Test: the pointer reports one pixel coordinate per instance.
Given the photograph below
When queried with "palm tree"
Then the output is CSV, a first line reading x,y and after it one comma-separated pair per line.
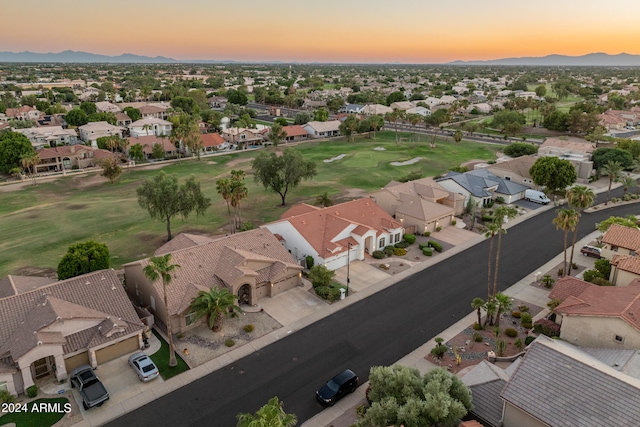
x,y
580,197
238,193
504,304
627,182
324,200
394,117
612,169
223,187
216,304
492,230
490,308
566,221
271,414
477,305
500,214
414,120
160,267
29,161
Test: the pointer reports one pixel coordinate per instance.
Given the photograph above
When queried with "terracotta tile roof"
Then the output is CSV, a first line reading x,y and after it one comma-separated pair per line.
x,y
626,263
220,261
147,142
624,237
150,109
211,139
299,209
414,206
519,165
64,151
568,286
605,301
182,241
13,285
295,130
321,226
96,296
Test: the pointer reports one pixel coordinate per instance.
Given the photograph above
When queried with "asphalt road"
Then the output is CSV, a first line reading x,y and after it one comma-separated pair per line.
x,y
376,331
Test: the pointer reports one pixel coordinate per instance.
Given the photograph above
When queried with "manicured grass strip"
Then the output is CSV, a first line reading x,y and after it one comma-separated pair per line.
x,y
31,418
161,359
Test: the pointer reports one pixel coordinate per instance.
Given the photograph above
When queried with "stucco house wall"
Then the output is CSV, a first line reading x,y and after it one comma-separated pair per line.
x,y
515,417
591,331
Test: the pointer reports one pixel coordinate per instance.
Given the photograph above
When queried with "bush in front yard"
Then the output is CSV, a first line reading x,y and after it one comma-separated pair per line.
x,y
423,245
32,391
248,328
388,250
319,275
528,340
399,252
402,245
229,342
435,245
510,332
328,293
427,251
309,260
410,238
378,254
547,327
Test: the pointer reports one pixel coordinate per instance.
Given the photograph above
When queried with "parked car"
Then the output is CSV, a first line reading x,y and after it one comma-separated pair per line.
x,y
337,387
591,251
89,386
143,366
536,196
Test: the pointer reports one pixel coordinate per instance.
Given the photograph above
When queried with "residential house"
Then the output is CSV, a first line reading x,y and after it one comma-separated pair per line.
x,y
107,107
212,142
447,99
481,107
402,105
217,102
618,119
421,205
242,137
123,119
153,111
295,133
376,109
515,170
94,130
323,129
310,104
52,120
49,136
482,186
338,234
576,150
148,142
601,316
352,109
23,113
624,269
419,110
621,240
252,265
67,157
51,330
150,126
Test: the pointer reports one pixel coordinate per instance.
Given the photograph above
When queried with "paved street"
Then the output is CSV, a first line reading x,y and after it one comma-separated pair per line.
x,y
377,330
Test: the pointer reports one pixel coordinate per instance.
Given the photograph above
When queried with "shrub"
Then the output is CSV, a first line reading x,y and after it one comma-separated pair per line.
x,y
527,325
32,391
435,245
440,349
399,252
388,250
548,281
402,245
574,266
525,317
427,233
477,337
528,340
477,326
309,260
423,245
249,328
500,200
516,314
560,272
523,307
427,251
438,228
600,281
229,342
328,293
510,332
378,254
614,200
6,397
487,218
319,275
453,222
384,266
501,346
547,327
410,238
518,344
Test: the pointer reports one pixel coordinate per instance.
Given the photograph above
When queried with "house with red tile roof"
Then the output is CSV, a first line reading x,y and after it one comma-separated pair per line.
x,y
251,265
66,157
624,269
212,142
338,234
568,286
602,316
295,133
621,240
148,142
50,329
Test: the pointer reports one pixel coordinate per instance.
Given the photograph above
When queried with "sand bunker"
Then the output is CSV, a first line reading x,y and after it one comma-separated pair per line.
x,y
333,159
407,163
380,149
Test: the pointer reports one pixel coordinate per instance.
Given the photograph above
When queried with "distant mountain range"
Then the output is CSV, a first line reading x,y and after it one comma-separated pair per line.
x,y
70,56
589,60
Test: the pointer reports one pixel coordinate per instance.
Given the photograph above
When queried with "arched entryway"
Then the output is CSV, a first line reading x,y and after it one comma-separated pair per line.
x,y
244,295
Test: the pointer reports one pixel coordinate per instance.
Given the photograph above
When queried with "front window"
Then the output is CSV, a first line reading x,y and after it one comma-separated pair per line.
x,y
381,243
397,237
190,318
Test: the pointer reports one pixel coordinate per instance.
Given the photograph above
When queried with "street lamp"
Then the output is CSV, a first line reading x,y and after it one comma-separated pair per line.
x,y
348,279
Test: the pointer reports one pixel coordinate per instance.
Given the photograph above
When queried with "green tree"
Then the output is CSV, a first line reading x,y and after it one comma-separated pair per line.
x,y
133,113
223,187
457,136
103,117
237,97
566,220
29,161
324,200
319,275
82,258
627,182
160,267
492,229
88,107
630,221
270,415
281,121
164,198
110,168
215,305
157,151
580,198
501,214
13,146
282,173
302,118
613,170
185,104
277,134
504,305
238,192
553,173
518,149
400,395
490,307
395,97
349,126
601,156
136,152
508,121
477,304
321,115
76,117
541,91
394,117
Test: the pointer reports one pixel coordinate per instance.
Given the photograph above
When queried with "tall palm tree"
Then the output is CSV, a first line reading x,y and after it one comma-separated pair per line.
x,y
239,192
394,117
612,169
503,303
492,230
477,305
223,187
324,200
216,304
29,162
160,267
272,414
500,214
627,182
490,308
580,197
566,220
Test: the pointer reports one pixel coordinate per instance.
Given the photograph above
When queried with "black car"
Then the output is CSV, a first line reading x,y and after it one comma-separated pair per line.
x,y
343,383
591,251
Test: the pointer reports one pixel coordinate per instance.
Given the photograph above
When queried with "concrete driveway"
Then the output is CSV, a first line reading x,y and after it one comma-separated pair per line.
x,y
362,275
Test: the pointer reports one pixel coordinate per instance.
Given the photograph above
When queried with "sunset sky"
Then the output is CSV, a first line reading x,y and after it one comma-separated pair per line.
x,y
363,31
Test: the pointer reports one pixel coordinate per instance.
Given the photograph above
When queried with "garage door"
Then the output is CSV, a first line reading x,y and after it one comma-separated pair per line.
x,y
116,350
78,360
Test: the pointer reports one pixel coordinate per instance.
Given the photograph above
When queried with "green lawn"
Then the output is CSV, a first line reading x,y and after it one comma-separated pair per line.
x,y
39,223
36,419
161,359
